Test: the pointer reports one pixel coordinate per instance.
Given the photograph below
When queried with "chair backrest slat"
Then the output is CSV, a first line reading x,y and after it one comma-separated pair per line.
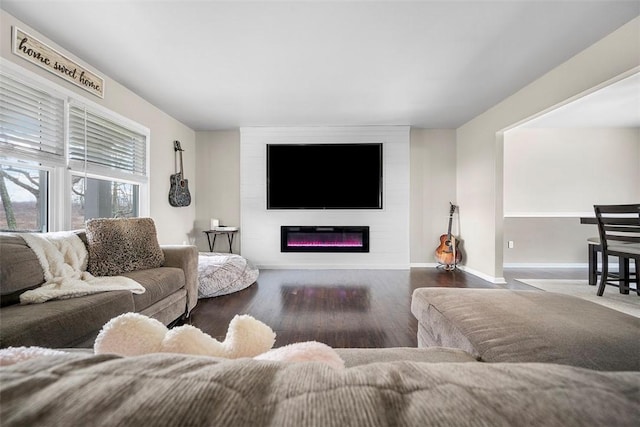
x,y
618,229
630,239
622,221
618,223
623,209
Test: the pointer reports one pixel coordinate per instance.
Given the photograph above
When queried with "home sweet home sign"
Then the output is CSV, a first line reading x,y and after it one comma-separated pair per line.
x,y
37,52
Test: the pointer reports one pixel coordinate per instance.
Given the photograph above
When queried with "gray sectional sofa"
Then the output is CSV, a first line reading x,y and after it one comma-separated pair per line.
x,y
379,387
520,326
170,293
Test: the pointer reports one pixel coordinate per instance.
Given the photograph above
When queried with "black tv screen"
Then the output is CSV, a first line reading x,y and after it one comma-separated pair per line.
x,y
324,176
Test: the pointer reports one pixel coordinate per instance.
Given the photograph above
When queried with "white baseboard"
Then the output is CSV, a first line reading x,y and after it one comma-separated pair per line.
x,y
483,276
491,279
331,267
423,265
496,280
613,266
546,265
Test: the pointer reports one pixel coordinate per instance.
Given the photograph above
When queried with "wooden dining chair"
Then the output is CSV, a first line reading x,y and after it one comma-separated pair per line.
x,y
594,248
619,230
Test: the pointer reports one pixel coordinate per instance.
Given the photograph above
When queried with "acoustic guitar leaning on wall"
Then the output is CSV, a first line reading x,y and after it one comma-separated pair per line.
x,y
448,253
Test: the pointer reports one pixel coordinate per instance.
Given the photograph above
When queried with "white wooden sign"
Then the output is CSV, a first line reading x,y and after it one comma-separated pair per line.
x,y
33,50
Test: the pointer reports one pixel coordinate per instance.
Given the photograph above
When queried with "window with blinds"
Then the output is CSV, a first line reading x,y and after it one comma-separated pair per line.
x,y
101,146
63,159
31,122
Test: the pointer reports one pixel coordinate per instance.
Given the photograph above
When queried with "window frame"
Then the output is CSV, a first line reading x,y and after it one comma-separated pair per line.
x,y
71,173
60,177
50,204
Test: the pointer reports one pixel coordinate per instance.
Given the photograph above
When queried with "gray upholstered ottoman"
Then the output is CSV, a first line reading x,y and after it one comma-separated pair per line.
x,y
500,325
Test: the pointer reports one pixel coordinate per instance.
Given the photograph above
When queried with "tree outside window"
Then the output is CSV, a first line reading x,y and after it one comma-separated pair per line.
x,y
99,198
23,198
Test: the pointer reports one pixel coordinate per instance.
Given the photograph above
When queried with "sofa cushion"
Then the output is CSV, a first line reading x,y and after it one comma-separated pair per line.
x,y
362,356
61,323
119,245
502,325
169,389
158,284
20,269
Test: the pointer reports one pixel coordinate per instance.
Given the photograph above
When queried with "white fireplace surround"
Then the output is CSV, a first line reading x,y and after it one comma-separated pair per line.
x,y
389,226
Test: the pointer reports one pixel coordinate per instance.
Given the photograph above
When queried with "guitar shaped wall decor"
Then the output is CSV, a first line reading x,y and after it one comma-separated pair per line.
x,y
179,195
448,253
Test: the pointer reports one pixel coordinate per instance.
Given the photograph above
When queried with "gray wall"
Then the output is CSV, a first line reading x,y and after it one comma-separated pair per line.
x,y
218,179
432,186
554,176
480,142
546,242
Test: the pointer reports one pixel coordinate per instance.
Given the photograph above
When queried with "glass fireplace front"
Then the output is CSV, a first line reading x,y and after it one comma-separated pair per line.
x,y
324,238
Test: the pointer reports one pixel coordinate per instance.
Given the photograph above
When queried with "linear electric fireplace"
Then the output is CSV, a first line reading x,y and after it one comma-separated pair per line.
x,y
324,239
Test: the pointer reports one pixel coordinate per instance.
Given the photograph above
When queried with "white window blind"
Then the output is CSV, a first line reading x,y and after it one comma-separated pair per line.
x,y
31,122
101,146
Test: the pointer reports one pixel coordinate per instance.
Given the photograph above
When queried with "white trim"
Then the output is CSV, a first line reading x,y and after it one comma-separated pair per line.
x,y
60,207
330,267
490,279
423,265
103,172
546,265
613,266
548,214
569,100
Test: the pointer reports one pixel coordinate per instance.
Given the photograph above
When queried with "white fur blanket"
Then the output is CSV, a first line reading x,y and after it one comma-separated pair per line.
x,y
63,258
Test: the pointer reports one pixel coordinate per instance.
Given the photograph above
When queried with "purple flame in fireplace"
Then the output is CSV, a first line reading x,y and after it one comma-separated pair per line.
x,y
343,240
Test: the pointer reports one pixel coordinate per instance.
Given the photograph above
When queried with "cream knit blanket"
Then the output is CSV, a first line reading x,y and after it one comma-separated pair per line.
x,y
63,257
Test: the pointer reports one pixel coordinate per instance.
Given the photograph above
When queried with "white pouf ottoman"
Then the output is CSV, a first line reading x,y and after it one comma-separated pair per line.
x,y
222,274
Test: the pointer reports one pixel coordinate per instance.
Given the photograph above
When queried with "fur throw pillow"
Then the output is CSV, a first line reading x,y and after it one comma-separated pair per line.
x,y
119,245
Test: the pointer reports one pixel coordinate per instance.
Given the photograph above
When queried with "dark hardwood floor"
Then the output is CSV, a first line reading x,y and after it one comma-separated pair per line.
x,y
344,308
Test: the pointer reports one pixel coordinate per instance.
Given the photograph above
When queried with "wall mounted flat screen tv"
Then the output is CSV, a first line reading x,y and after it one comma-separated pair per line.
x,y
324,176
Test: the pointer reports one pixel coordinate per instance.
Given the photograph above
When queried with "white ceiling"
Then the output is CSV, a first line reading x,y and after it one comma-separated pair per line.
x,y
222,64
